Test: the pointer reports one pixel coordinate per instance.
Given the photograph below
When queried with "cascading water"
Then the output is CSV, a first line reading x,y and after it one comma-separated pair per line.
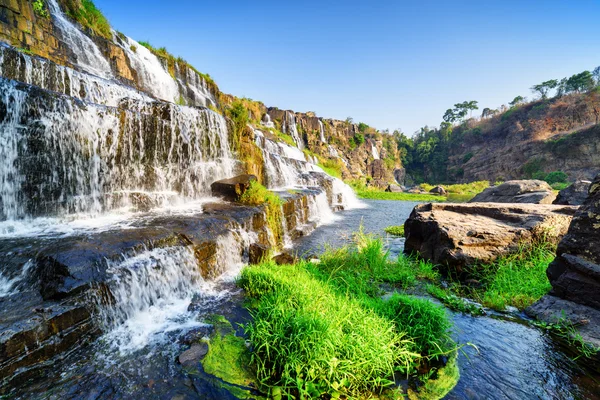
x,y
289,127
322,132
374,151
103,153
267,122
88,55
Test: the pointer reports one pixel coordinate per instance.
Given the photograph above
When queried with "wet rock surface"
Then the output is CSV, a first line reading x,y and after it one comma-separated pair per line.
x,y
524,191
574,195
456,235
233,188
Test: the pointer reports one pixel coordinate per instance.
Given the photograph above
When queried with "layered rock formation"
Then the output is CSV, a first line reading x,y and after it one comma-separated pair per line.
x,y
458,235
524,191
575,273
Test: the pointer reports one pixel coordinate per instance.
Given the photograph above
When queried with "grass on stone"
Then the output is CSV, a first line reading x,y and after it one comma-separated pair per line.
x,y
395,230
89,16
324,329
472,188
516,280
258,195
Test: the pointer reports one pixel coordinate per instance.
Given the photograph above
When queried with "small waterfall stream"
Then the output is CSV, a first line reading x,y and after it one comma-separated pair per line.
x,y
89,57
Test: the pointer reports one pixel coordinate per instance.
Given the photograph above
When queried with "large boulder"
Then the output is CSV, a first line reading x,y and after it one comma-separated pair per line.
x,y
526,191
394,189
438,190
400,176
575,273
457,235
232,188
574,195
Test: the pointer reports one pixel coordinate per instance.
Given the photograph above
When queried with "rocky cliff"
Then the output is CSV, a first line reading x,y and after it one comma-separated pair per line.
x,y
536,138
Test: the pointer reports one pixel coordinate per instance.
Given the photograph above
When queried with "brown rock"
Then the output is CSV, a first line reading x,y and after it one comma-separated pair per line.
x,y
257,253
438,190
233,188
575,273
465,234
394,189
285,259
526,191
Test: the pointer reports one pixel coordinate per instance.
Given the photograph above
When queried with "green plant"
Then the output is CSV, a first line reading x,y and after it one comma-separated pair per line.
x,y
454,302
467,157
257,195
39,7
358,139
89,16
395,230
239,116
556,177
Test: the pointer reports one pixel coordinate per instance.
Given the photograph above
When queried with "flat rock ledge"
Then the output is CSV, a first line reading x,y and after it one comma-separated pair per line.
x,y
459,235
524,191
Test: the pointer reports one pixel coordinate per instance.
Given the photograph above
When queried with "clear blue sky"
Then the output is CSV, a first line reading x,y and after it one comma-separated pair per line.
x,y
391,64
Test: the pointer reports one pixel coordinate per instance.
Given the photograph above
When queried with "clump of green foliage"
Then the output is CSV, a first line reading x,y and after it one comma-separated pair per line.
x,y
567,331
454,302
239,116
323,329
257,195
39,7
395,230
89,16
358,139
460,192
516,280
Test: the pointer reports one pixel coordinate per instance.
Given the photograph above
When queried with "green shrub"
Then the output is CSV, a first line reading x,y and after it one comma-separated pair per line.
x,y
531,167
556,177
467,157
560,186
39,7
358,139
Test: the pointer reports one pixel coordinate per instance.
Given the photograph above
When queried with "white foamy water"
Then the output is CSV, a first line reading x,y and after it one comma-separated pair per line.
x,y
322,132
154,289
89,56
319,210
289,127
8,286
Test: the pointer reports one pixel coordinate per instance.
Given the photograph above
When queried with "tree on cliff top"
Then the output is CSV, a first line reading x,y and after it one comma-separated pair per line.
x,y
543,88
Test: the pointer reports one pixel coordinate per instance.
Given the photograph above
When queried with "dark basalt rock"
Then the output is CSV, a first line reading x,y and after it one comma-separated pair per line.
x,y
575,273
525,191
285,259
257,253
193,355
233,188
574,195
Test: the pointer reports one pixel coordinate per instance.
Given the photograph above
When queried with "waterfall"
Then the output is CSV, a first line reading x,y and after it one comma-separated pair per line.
x,y
320,211
88,55
267,122
322,132
82,158
9,286
289,127
152,290
346,196
152,75
374,151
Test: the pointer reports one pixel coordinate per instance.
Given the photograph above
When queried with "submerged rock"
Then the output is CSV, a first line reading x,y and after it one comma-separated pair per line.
x,y
456,235
574,195
525,191
232,188
575,273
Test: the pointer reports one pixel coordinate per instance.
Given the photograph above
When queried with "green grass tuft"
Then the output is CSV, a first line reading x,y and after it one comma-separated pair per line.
x,y
324,329
89,16
395,230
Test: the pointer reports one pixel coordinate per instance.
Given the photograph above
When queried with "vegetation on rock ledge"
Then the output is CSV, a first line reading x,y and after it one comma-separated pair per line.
x,y
89,16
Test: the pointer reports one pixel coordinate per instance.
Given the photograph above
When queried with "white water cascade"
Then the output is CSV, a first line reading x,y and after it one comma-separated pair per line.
x,y
322,132
374,151
89,57
289,127
85,157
